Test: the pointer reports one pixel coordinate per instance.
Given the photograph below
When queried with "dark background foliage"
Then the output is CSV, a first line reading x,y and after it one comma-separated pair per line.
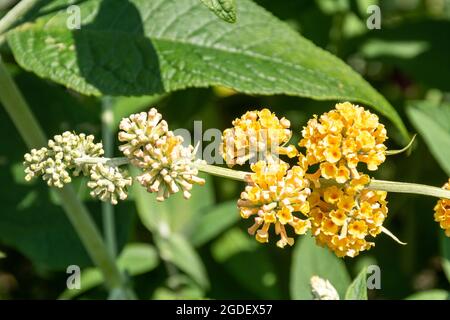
x,y
407,60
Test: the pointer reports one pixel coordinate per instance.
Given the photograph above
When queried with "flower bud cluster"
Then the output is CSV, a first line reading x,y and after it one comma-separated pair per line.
x,y
167,165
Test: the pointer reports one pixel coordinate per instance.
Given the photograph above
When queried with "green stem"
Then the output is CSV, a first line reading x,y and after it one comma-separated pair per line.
x,y
16,106
17,109
120,161
406,187
107,208
382,185
14,15
223,172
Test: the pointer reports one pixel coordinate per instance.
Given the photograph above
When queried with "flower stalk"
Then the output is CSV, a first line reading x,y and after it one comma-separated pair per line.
x,y
30,130
381,185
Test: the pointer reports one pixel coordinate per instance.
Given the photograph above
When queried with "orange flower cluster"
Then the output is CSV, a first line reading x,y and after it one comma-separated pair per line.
x,y
276,195
343,216
342,138
339,210
256,133
442,212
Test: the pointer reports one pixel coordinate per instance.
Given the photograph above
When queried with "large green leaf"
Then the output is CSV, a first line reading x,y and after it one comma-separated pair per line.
x,y
445,249
136,259
175,214
171,221
433,124
2,255
224,9
311,260
145,47
358,288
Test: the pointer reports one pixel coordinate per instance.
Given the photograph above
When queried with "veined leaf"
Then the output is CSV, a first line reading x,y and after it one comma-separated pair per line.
x,y
224,9
144,47
433,124
311,260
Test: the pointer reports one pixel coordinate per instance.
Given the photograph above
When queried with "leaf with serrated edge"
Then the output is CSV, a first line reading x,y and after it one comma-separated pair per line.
x,y
143,47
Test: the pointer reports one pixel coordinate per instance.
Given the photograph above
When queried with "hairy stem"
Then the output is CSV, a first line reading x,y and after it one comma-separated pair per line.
x,y
223,172
107,161
382,185
30,130
406,187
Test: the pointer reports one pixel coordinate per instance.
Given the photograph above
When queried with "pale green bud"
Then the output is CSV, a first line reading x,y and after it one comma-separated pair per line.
x,y
109,183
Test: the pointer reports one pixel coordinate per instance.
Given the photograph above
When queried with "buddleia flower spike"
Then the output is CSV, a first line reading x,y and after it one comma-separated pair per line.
x,y
257,134
56,162
276,195
167,165
109,183
340,139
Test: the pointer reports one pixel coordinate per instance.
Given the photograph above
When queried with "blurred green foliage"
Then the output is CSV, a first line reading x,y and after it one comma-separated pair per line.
x,y
200,248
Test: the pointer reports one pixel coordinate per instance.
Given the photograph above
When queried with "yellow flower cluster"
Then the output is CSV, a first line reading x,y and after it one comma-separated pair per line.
x,y
342,217
442,212
342,138
276,195
256,133
339,210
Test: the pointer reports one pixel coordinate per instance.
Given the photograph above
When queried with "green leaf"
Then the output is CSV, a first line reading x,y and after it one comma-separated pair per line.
x,y
124,106
238,252
415,47
2,255
177,250
49,235
31,221
435,294
143,48
224,9
170,222
136,259
433,124
217,219
311,260
176,214
445,249
185,289
358,288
